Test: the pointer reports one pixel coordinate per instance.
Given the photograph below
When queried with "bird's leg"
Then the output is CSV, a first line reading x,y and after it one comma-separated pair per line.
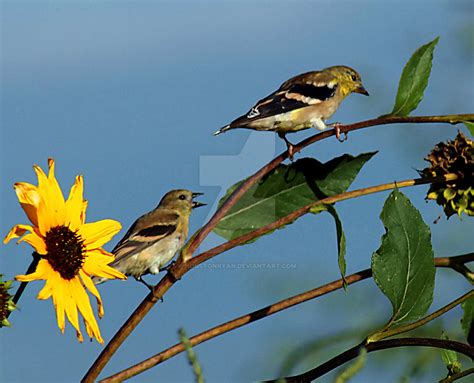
x,y
141,280
289,146
168,266
337,127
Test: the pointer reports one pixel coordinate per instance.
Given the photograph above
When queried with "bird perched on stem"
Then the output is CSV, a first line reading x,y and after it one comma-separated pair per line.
x,y
155,237
302,102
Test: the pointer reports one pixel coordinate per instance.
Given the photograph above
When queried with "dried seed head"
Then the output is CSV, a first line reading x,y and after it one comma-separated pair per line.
x,y
6,302
452,157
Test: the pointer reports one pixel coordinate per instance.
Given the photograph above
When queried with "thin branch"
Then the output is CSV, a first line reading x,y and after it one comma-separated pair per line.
x,y
459,264
457,376
181,267
180,270
236,323
199,237
255,316
353,352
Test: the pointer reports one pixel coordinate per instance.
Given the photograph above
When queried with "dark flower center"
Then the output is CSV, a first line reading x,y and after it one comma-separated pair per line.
x,y
65,251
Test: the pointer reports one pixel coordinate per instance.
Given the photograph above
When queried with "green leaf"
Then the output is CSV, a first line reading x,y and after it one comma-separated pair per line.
x,y
340,172
414,79
450,358
403,266
467,320
287,189
341,244
470,127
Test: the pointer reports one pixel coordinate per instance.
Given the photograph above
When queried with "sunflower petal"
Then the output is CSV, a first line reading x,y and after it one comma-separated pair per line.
x,y
29,199
52,197
43,271
96,234
36,241
83,213
96,262
91,287
90,332
44,221
84,306
59,302
17,231
71,305
74,205
46,291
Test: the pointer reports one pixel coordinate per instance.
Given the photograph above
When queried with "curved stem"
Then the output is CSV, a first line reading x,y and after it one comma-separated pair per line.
x,y
376,346
182,267
253,317
458,264
460,375
411,326
236,323
193,262
202,233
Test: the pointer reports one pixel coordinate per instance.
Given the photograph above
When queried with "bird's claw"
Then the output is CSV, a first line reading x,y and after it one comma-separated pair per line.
x,y
337,127
338,136
291,151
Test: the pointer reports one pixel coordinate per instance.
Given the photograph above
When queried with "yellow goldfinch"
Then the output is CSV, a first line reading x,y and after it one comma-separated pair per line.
x,y
154,238
302,102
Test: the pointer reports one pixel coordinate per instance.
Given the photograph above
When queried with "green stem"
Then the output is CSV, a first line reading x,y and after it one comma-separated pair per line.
x,y
202,233
188,250
181,268
353,352
257,315
460,375
192,357
411,326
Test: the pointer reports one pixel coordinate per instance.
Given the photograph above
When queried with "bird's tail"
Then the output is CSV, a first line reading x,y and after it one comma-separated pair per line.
x,y
222,130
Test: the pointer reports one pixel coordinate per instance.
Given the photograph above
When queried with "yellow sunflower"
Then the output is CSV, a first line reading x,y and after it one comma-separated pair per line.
x,y
70,250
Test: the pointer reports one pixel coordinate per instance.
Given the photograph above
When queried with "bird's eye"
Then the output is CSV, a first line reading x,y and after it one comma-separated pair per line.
x,y
182,197
354,77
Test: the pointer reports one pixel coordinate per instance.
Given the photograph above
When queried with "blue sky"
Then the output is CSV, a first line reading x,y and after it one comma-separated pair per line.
x,y
128,94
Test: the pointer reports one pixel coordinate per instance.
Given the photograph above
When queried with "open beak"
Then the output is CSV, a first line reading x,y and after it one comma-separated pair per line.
x,y
197,204
361,90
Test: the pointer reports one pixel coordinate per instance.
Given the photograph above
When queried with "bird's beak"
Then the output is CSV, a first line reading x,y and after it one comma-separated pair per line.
x,y
361,90
197,204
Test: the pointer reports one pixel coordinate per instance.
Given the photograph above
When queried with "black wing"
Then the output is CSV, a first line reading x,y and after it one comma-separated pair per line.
x,y
156,231
292,97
